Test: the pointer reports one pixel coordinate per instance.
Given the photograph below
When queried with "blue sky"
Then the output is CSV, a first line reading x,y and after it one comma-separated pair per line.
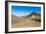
x,y
25,10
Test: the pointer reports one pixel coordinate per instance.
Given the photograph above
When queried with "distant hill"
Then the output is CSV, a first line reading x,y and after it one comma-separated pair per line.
x,y
30,15
33,14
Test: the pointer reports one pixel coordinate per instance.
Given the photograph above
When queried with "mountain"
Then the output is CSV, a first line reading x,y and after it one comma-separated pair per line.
x,y
33,14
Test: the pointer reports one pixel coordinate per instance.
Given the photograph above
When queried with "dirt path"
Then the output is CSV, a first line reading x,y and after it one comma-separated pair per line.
x,y
26,23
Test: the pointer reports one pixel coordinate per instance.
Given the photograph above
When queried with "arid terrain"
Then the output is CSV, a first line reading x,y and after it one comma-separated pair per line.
x,y
20,22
